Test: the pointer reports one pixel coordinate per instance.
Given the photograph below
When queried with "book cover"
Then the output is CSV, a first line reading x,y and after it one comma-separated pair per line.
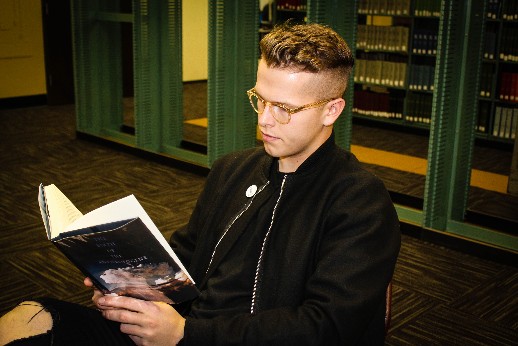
x,y
118,247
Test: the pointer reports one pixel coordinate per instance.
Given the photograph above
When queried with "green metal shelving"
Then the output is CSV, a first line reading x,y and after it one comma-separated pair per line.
x,y
233,56
341,16
157,70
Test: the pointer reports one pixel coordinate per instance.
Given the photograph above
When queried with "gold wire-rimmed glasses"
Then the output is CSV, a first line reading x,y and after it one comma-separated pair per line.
x,y
281,113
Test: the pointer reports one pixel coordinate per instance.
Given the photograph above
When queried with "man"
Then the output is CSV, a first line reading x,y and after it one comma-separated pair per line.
x,y
293,243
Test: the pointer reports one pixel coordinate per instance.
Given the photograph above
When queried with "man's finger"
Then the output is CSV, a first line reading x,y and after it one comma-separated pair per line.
x,y
122,302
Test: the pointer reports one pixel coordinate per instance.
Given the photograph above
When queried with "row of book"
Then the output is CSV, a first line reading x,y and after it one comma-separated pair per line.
x,y
509,44
419,108
484,111
427,8
505,122
424,42
391,106
380,72
384,7
374,104
423,8
292,5
493,9
421,77
508,86
395,39
489,48
486,79
387,38
507,10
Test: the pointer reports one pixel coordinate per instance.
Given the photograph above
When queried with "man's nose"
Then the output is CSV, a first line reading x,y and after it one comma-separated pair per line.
x,y
266,117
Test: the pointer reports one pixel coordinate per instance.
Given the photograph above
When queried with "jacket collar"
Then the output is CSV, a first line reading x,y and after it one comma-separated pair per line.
x,y
269,165
317,159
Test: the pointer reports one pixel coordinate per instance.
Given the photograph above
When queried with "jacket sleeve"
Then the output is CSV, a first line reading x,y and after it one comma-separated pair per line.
x,y
345,292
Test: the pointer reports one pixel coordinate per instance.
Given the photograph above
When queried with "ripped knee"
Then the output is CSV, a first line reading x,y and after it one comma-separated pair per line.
x,y
27,319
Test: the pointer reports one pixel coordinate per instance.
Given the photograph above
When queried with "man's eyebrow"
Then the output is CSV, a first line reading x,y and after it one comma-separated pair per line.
x,y
287,104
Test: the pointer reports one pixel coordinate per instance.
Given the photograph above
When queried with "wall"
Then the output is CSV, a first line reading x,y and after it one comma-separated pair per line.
x,y
22,66
195,48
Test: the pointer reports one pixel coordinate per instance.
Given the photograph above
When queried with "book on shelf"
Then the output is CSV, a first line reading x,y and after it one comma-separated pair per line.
x,y
510,10
493,9
383,38
383,7
506,132
505,122
486,79
419,108
490,42
514,125
424,42
509,86
496,121
427,8
380,72
421,77
381,104
117,246
483,115
292,5
509,44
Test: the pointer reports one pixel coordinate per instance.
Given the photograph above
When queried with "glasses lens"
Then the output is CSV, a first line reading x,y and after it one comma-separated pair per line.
x,y
256,103
280,114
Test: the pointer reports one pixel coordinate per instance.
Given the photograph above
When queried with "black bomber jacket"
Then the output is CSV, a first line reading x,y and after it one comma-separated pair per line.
x,y
327,261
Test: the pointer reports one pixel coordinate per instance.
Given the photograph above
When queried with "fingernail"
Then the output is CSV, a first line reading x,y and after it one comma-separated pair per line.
x,y
101,300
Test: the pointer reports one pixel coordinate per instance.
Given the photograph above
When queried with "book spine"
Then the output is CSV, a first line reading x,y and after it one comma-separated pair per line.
x,y
483,115
508,123
514,125
496,121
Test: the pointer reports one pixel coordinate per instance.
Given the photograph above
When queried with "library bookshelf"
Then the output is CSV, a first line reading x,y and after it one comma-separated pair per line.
x,y
498,99
395,61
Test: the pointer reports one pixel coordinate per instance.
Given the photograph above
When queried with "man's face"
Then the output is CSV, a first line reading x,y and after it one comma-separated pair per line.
x,y
294,142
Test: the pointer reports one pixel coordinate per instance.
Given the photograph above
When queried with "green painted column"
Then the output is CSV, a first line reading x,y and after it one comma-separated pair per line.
x,y
233,57
342,16
453,113
97,66
157,46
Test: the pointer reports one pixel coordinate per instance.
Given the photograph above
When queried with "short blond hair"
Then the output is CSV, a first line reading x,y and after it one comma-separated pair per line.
x,y
313,48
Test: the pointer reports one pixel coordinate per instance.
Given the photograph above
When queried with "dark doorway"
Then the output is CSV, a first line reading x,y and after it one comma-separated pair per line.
x,y
57,40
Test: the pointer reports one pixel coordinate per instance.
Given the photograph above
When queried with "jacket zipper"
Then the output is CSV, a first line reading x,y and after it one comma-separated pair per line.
x,y
245,208
260,260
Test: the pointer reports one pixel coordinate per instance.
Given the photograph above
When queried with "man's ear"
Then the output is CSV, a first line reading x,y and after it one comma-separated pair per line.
x,y
334,109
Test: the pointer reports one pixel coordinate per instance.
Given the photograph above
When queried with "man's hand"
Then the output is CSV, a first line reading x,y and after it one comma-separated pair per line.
x,y
97,294
146,323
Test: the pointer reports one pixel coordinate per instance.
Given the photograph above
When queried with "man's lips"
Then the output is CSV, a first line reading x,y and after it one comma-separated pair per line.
x,y
268,138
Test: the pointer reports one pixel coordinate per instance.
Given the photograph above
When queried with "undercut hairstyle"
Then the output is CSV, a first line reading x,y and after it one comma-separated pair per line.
x,y
313,48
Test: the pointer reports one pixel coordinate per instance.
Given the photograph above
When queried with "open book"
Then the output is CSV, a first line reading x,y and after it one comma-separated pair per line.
x,y
118,247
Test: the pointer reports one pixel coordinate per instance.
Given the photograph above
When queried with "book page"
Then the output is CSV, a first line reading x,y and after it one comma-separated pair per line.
x,y
61,212
124,209
43,210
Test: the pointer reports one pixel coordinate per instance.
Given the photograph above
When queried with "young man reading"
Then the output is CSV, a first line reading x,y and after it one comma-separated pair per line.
x,y
292,243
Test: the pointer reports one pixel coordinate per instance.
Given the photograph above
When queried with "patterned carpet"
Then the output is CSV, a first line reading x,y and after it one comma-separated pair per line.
x,y
440,297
